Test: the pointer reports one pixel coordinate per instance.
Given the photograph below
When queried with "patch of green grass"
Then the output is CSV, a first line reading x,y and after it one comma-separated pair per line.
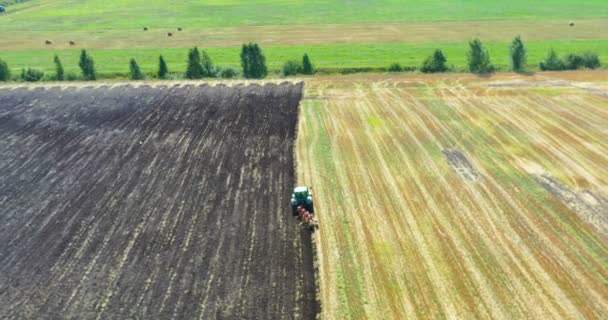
x,y
323,56
120,14
375,122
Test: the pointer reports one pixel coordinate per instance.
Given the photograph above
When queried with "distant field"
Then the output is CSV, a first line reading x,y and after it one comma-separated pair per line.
x,y
323,56
338,34
126,14
458,197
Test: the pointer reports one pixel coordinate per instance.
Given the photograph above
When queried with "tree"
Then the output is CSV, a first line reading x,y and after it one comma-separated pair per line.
x,y
519,55
31,75
291,68
307,67
253,61
435,63
552,62
87,65
195,69
5,72
479,58
135,71
207,65
163,70
59,73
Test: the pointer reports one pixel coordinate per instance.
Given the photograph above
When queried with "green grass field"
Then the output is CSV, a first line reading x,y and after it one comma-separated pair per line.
x,y
221,25
120,14
323,56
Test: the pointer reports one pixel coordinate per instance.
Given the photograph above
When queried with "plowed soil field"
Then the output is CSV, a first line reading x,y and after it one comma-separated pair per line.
x,y
459,197
151,203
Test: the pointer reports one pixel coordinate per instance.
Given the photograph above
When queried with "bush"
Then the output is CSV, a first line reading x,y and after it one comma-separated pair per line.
x,y
587,60
519,55
162,68
59,73
31,75
228,73
552,62
395,67
87,65
291,68
479,58
307,67
573,62
71,77
435,63
5,72
591,60
134,71
253,61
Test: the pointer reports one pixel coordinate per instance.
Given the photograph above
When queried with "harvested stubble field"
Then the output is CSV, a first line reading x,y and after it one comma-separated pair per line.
x,y
151,203
456,196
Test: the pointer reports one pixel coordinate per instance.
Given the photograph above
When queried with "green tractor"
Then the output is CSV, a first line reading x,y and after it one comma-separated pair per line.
x,y
302,197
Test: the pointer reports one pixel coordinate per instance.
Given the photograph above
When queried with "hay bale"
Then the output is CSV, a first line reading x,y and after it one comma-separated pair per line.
x,y
179,29
170,34
571,24
72,43
48,42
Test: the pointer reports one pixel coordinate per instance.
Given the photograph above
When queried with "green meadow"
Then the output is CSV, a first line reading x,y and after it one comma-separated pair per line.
x,y
329,57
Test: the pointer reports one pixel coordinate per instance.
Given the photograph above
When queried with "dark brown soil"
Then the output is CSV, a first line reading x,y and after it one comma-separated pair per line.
x,y
151,203
461,164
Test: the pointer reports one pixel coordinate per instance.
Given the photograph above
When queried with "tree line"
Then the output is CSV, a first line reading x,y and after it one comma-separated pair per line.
x,y
478,60
253,64
199,66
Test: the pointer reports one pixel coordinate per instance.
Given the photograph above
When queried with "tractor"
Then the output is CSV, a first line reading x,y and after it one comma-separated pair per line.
x,y
302,206
302,197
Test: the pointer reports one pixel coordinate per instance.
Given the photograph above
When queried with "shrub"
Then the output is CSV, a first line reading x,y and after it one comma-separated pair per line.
x,y
307,67
253,61
162,68
31,75
573,62
591,60
5,72
519,55
195,69
71,76
479,58
395,67
134,71
435,63
87,65
228,73
291,68
552,62
59,73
